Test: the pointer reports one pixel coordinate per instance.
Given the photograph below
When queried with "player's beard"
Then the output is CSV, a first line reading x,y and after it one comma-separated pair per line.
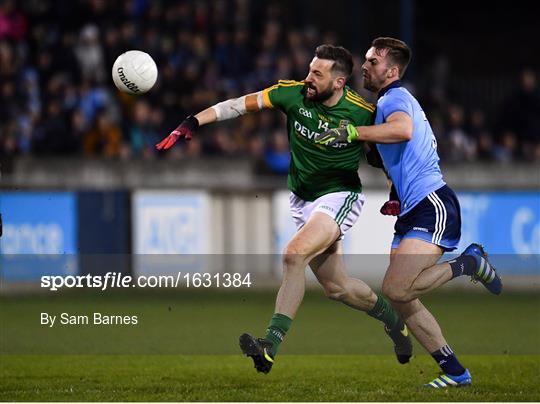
x,y
320,96
371,84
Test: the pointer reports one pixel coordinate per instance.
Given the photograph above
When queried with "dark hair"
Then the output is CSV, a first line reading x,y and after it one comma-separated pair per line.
x,y
399,52
343,61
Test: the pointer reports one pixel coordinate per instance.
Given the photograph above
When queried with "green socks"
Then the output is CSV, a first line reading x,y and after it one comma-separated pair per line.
x,y
280,323
278,327
383,311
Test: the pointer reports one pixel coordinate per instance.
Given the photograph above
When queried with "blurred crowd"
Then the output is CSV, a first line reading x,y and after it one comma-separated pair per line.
x,y
58,97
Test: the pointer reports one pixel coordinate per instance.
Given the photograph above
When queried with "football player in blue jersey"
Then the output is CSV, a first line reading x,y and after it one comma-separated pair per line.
x,y
429,221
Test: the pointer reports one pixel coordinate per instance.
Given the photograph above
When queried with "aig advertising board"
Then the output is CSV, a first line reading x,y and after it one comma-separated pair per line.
x,y
39,235
171,231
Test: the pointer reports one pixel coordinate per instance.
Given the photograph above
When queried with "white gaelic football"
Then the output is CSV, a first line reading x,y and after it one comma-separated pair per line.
x,y
134,72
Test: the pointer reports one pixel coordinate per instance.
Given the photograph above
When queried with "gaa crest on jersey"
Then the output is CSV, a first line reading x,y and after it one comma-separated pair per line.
x,y
305,113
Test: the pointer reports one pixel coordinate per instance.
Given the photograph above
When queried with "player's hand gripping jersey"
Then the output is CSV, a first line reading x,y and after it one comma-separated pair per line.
x,y
316,170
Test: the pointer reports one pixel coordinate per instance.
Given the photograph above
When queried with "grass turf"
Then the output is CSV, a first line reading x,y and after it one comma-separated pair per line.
x,y
185,349
231,378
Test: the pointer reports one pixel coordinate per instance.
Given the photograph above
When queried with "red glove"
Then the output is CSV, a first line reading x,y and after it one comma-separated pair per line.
x,y
185,129
391,208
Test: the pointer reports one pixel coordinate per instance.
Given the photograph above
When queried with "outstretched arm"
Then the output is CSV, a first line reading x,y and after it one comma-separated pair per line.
x,y
397,128
232,108
228,109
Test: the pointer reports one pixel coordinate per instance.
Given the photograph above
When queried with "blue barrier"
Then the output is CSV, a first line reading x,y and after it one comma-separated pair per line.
x,y
40,235
507,224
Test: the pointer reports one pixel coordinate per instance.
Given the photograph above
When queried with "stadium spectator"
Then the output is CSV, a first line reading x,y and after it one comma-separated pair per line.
x,y
51,134
104,138
520,118
506,151
277,155
460,145
13,24
90,55
221,143
142,133
9,62
61,54
481,135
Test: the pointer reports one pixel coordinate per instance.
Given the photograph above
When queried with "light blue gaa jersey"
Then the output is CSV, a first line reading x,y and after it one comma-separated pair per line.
x,y
413,165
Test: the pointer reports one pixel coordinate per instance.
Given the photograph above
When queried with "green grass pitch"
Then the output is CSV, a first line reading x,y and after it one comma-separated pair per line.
x,y
185,349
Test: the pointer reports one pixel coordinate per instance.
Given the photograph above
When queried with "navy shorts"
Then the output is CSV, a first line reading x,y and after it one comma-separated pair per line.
x,y
435,219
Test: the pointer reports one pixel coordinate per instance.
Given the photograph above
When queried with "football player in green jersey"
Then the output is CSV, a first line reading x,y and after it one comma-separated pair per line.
x,y
326,194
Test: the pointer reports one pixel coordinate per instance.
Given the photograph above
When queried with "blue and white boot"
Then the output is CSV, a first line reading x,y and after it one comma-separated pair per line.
x,y
446,380
485,272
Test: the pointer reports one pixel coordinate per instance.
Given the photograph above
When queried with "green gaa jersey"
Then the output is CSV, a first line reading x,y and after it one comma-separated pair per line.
x,y
316,170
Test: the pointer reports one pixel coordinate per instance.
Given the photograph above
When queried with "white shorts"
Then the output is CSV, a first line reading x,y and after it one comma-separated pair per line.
x,y
344,207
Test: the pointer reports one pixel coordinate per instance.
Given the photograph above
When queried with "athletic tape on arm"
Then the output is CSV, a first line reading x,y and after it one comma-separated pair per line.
x,y
235,107
229,109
